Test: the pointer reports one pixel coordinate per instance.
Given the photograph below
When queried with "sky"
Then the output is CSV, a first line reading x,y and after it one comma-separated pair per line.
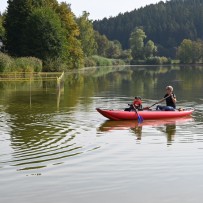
x,y
99,9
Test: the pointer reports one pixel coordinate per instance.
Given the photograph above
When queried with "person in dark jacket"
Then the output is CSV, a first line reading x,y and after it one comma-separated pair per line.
x,y
170,98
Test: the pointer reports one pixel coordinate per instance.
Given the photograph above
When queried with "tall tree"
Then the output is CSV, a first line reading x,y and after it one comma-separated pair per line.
x,y
45,37
20,10
102,44
74,58
2,32
44,29
53,4
137,43
87,35
190,51
17,15
197,51
185,51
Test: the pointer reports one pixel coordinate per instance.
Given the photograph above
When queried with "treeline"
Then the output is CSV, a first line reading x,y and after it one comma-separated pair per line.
x,y
166,24
49,31
145,52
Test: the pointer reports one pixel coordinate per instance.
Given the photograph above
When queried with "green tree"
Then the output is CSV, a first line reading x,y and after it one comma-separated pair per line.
x,y
44,29
46,38
75,56
53,4
126,55
190,51
89,45
185,51
137,43
2,29
2,32
102,44
15,26
197,51
201,51
16,36
150,49
114,49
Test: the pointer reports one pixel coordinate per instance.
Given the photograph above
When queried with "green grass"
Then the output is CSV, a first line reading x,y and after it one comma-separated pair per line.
x,y
22,64
155,60
102,61
175,61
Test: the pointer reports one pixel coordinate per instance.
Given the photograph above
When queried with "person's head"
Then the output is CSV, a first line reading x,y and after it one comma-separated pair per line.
x,y
169,89
138,99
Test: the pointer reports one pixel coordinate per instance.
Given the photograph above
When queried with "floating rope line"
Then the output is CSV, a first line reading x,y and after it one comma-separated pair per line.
x,y
27,76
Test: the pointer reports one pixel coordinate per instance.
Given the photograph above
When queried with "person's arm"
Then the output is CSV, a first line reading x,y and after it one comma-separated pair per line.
x,y
160,101
165,97
173,97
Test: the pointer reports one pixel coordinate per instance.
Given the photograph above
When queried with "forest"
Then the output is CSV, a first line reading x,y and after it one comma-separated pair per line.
x,y
47,36
166,24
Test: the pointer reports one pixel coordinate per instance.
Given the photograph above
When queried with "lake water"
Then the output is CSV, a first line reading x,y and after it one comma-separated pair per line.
x,y
55,147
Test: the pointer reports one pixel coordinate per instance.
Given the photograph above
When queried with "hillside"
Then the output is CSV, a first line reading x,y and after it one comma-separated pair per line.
x,y
167,24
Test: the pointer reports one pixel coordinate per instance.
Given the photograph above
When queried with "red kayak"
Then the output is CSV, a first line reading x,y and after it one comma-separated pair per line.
x,y
117,115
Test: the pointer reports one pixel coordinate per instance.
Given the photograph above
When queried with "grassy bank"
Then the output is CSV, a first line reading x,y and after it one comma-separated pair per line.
x,y
101,61
156,60
32,64
22,64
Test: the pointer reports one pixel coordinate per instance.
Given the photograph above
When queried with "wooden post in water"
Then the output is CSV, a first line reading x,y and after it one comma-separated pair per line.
x,y
58,80
59,89
30,93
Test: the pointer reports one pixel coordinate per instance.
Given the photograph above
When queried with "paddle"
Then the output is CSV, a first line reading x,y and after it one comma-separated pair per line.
x,y
139,118
157,102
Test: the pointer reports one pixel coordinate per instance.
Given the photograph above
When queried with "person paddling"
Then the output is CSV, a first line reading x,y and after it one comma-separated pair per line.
x,y
170,98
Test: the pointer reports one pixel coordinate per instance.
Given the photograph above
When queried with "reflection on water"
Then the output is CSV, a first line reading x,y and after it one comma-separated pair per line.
x,y
57,134
171,131
167,126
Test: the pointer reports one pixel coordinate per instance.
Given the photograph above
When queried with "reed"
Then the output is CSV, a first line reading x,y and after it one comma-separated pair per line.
x,y
102,61
6,63
27,64
22,64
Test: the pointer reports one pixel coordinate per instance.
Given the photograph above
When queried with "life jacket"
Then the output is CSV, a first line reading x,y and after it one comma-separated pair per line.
x,y
138,104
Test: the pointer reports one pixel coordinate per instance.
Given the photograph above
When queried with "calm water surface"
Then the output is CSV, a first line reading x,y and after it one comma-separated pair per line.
x,y
54,146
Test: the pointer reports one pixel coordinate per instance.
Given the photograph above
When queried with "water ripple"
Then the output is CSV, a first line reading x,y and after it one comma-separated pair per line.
x,y
35,145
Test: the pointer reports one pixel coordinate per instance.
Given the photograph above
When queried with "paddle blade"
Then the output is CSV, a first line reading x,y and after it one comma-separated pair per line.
x,y
140,119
